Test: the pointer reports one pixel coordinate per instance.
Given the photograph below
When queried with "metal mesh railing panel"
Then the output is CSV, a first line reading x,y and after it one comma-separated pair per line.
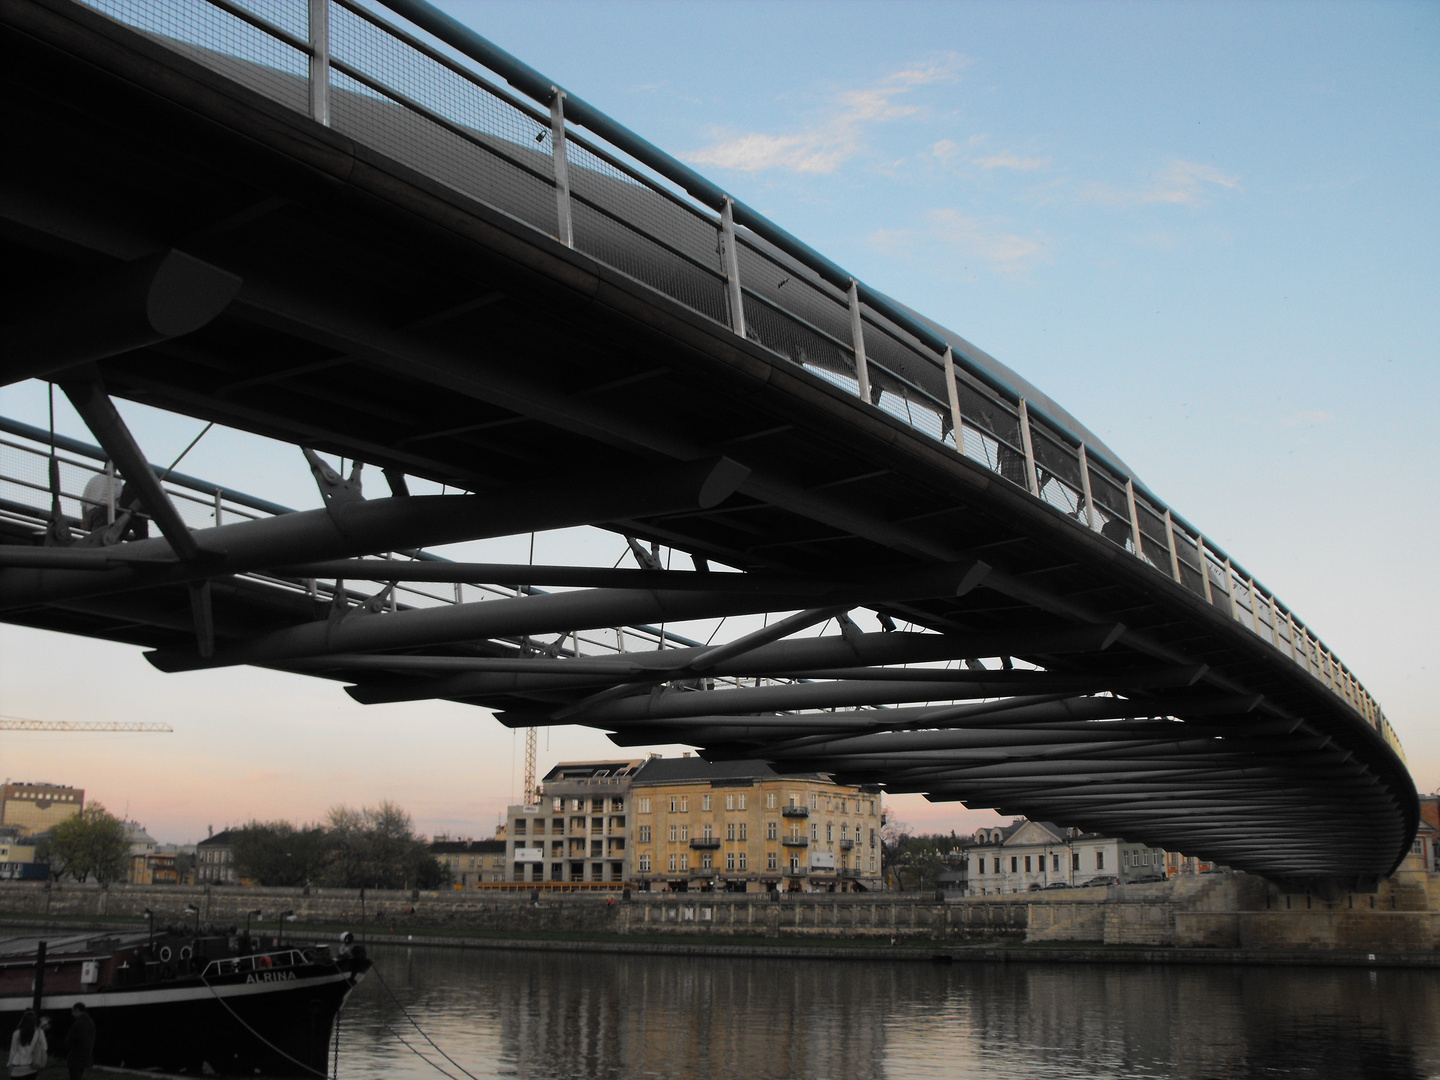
x,y
453,131
1152,533
222,42
1189,557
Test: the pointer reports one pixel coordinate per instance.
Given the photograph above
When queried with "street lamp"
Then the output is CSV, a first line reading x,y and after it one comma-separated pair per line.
x,y
191,909
150,916
248,914
280,926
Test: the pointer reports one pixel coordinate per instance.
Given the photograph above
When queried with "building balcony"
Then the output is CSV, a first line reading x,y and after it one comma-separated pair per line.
x,y
795,811
850,872
704,871
847,845
796,871
706,843
795,841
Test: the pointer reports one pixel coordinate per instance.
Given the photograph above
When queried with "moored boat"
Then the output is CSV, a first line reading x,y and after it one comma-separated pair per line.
x,y
182,1001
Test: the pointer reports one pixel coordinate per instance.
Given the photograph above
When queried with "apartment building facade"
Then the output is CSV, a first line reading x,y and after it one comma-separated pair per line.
x,y
739,826
579,831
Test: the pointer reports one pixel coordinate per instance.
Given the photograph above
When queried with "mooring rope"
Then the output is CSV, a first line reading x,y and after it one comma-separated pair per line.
x,y
257,1034
421,1030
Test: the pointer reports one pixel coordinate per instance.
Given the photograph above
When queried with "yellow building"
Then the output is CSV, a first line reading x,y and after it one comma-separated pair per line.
x,y
739,826
37,808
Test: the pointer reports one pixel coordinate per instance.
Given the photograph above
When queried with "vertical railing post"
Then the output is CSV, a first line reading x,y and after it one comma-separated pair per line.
x,y
320,61
1230,582
1170,539
565,232
1085,489
1032,481
857,336
953,387
110,494
219,508
732,266
1274,621
1204,568
1134,518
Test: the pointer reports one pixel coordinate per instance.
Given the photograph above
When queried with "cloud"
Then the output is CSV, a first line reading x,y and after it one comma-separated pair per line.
x,y
1183,183
1008,160
1006,253
824,147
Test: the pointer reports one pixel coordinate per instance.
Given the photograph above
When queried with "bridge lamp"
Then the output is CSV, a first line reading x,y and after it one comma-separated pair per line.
x,y
280,925
150,917
248,914
191,910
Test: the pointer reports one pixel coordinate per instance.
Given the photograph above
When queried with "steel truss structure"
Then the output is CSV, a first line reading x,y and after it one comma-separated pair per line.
x,y
326,225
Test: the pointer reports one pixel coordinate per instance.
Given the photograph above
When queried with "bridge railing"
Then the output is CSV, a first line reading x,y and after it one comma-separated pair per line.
x,y
427,98
30,485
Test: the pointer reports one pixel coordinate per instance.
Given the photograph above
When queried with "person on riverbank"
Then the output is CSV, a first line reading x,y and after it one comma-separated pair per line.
x,y
79,1041
29,1051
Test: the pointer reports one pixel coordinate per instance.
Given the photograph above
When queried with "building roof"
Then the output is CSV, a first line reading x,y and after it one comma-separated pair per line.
x,y
662,770
585,770
223,838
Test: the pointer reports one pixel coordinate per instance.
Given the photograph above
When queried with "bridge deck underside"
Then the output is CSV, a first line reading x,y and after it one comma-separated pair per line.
x,y
386,318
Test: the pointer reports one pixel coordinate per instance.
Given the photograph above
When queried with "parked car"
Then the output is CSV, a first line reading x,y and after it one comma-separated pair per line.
x,y
1104,879
1058,885
1146,878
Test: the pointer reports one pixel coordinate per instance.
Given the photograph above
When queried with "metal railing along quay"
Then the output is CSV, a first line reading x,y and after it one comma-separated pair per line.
x,y
411,82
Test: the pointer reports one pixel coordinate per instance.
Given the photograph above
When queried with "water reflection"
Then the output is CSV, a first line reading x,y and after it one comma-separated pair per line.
x,y
563,1015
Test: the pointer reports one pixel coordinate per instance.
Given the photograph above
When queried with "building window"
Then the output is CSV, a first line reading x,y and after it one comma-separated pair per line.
x,y
617,805
730,831
997,864
684,833
708,831
742,830
1027,864
814,801
644,807
705,802
742,802
684,861
729,860
845,831
684,804
729,802
672,864
1055,862
829,832
772,830
1014,864
644,864
1099,860
644,834
770,800
674,833
1075,861
770,861
815,831
707,861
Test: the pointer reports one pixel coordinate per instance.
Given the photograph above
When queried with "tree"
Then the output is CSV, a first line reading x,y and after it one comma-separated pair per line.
x,y
375,847
91,844
277,853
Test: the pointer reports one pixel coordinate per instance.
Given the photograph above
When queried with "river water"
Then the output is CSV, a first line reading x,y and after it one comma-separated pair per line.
x,y
581,1015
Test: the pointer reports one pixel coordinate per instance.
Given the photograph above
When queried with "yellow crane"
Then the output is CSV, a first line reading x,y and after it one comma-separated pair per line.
x,y
16,723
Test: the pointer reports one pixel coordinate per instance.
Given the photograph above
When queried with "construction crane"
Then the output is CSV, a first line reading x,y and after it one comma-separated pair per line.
x,y
15,723
532,794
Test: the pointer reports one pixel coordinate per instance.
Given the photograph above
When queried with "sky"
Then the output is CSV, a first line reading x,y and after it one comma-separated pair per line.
x,y
1208,230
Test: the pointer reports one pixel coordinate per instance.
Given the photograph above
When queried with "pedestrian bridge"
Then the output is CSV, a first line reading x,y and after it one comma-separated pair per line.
x,y
364,230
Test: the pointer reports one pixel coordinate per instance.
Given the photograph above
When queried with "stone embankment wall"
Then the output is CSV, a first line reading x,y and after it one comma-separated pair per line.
x,y
1216,911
